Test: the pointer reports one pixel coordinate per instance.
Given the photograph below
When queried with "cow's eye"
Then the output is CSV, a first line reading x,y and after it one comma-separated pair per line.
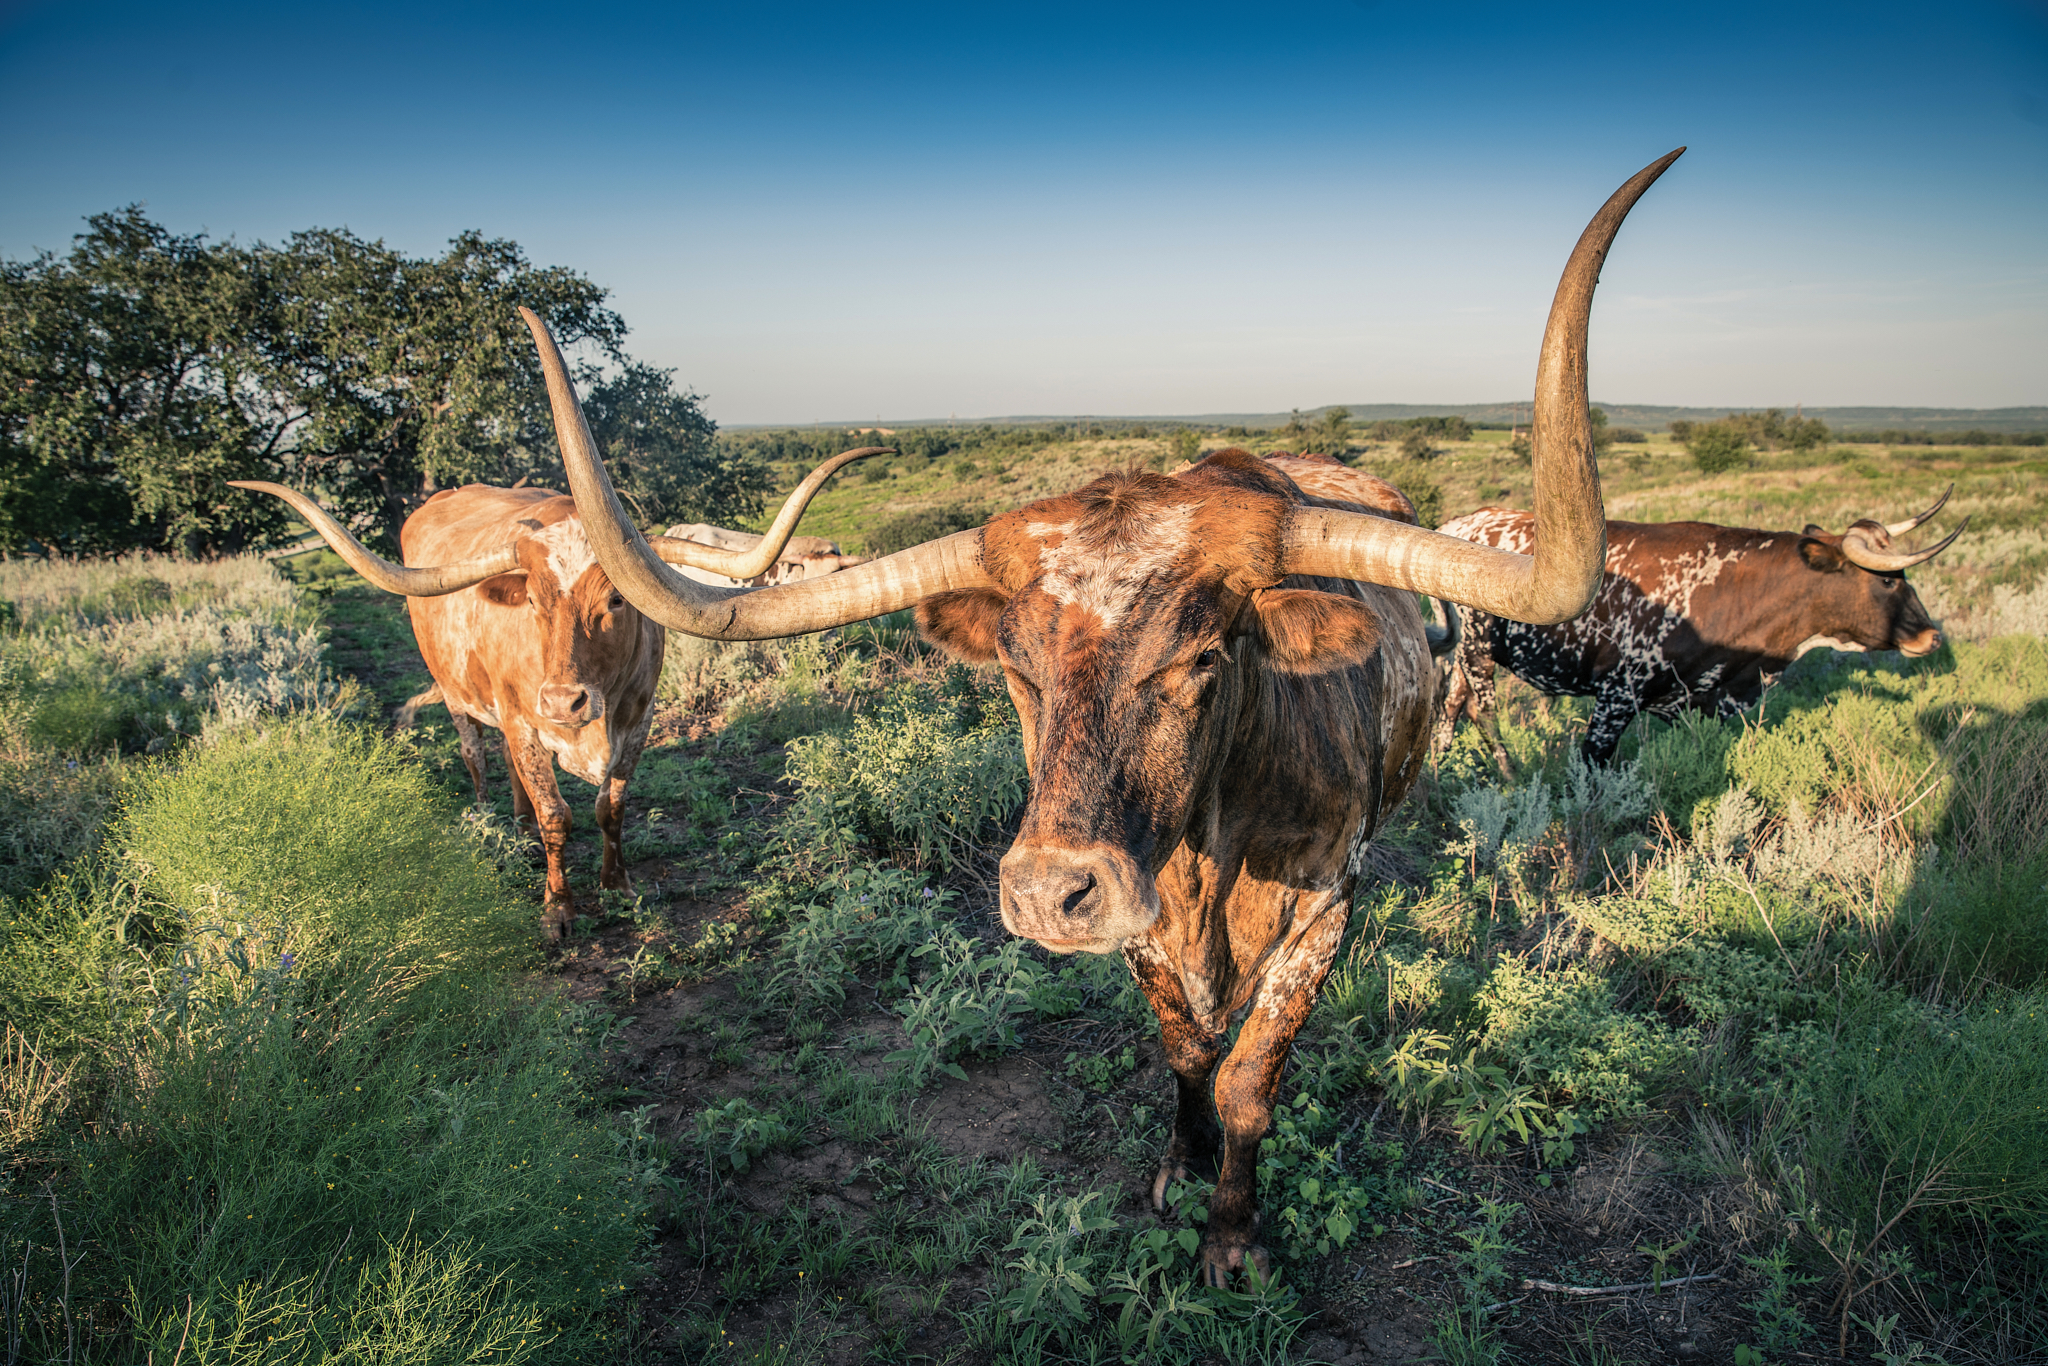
x,y
616,603
1207,659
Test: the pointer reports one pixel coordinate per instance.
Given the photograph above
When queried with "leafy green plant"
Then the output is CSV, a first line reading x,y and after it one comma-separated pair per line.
x,y
927,768
1314,1193
1102,1071
735,1134
1779,1324
1486,1105
969,1003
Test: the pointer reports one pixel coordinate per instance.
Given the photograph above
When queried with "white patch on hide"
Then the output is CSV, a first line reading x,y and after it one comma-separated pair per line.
x,y
1297,965
569,552
1105,574
1826,643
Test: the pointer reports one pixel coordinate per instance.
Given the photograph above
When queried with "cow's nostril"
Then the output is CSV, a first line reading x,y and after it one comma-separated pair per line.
x,y
1071,904
578,702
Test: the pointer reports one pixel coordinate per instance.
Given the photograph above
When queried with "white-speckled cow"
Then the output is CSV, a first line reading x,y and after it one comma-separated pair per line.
x,y
1692,616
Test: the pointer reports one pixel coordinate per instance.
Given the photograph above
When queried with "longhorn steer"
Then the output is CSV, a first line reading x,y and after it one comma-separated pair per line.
x,y
1692,616
523,631
1224,686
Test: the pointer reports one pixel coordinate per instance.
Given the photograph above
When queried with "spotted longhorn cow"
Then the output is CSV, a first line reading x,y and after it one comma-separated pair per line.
x,y
1224,686
523,632
804,557
1691,616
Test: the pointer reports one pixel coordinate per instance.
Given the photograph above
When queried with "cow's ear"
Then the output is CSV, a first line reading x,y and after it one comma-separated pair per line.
x,y
963,622
1309,632
507,590
1820,555
1811,530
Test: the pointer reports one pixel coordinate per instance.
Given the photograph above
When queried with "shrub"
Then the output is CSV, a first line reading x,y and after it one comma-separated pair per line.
x,y
1717,447
1923,1121
929,767
926,524
1687,761
1965,924
51,810
1565,1027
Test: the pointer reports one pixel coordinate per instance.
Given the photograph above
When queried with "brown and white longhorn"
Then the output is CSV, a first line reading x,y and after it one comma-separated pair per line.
x,y
1225,686
523,631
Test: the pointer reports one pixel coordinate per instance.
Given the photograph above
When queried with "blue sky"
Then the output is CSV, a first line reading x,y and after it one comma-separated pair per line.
x,y
900,211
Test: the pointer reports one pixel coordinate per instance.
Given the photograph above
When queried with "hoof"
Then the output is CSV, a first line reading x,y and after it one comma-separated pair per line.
x,y
1169,1172
1221,1261
555,919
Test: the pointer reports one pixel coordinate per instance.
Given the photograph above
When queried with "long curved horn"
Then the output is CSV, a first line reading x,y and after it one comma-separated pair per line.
x,y
869,590
1561,578
745,564
1858,549
1901,528
392,578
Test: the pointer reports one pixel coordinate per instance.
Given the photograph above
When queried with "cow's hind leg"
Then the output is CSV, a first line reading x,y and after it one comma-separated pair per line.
x,y
1246,1084
1192,1053
474,757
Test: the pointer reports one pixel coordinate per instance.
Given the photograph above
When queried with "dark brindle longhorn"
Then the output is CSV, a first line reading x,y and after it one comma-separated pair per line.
x,y
1224,686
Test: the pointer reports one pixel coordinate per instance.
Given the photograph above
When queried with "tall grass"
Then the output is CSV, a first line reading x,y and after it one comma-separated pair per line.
x,y
1841,917
310,1109
108,658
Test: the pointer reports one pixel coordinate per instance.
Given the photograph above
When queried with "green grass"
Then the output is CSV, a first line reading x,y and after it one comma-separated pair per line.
x,y
311,1102
1797,956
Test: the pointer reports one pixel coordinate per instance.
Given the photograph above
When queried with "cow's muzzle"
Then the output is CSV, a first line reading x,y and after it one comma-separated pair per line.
x,y
1087,900
1920,643
569,704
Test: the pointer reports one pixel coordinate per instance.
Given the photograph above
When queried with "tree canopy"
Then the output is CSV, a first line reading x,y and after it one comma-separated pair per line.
x,y
143,370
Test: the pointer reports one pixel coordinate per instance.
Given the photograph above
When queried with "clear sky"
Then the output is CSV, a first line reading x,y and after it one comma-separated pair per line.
x,y
850,211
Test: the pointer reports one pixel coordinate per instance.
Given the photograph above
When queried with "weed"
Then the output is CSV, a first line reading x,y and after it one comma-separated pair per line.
x,y
735,1134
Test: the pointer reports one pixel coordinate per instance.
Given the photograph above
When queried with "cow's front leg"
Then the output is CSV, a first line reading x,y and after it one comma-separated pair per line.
x,y
1246,1084
611,819
1615,704
1191,1051
533,779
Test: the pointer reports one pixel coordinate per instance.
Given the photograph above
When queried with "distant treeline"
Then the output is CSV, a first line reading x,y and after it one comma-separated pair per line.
x,y
142,371
1892,437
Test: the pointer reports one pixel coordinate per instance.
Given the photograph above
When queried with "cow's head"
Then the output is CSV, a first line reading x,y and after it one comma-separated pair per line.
x,y
1131,616
1131,620
589,634
1863,598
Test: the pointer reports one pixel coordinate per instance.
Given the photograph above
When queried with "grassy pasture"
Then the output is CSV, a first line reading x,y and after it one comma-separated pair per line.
x,y
1763,1005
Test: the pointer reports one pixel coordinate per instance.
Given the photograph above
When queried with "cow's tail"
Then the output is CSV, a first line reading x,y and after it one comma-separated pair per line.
x,y
1443,639
412,706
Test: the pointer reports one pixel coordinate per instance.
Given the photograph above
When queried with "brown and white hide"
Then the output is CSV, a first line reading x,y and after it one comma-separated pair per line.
x,y
550,655
1212,744
1689,616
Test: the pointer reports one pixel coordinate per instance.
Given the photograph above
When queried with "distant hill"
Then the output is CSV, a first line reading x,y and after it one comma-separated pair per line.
x,y
1935,420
